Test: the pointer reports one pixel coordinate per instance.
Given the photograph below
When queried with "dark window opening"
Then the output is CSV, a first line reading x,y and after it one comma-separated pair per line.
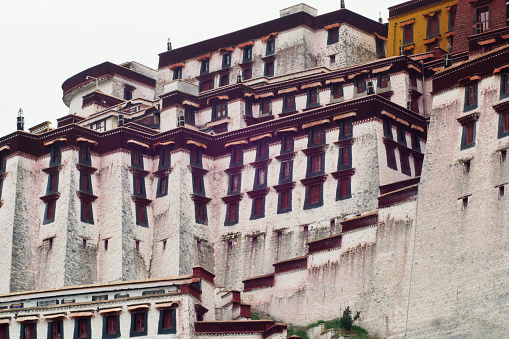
x,y
234,183
84,154
137,157
52,183
405,163
258,207
360,85
204,68
28,331
177,73
271,47
337,91
56,155
167,321
345,129
414,104
468,136
224,80
286,172
82,328
111,326
219,110
314,194
317,163
269,69
86,212
195,156
465,203
55,329
332,35
482,20
288,103
189,115
206,85
141,215
313,97
227,60
262,149
433,25
247,54
452,18
285,201
503,125
232,212
344,189
316,136
247,73
286,144
236,156
408,34
200,212
391,157
266,106
261,177
50,212
345,158
418,166
383,80
501,192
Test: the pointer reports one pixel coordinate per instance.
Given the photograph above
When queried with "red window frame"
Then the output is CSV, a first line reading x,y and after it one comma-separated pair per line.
x,y
433,25
344,185
137,184
337,91
163,185
289,99
140,213
361,85
248,73
139,321
167,322
288,141
50,210
111,324
137,157
224,80
55,329
86,209
269,68
469,134
233,211
287,170
505,122
29,330
262,176
316,163
83,327
472,95
53,182
3,331
345,156
313,95
314,193
317,135
200,211
196,182
258,206
235,182
263,148
236,154
266,104
206,85
84,182
408,33
285,199
384,80
220,109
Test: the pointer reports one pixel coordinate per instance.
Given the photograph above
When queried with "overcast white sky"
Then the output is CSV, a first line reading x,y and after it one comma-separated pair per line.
x,y
45,42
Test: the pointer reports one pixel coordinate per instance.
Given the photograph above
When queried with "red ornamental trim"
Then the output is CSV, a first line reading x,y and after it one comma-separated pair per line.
x,y
337,24
238,326
201,272
245,44
234,170
200,198
359,222
140,201
162,173
325,243
315,150
180,64
285,187
138,172
266,280
430,40
291,265
502,107
314,180
86,196
232,198
344,173
197,170
286,157
205,56
271,35
50,197
258,193
346,142
200,309
53,169
86,169
469,118
261,163
398,196
390,142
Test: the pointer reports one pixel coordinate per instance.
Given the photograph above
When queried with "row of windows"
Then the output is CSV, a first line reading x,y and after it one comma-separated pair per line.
x,y
111,326
247,73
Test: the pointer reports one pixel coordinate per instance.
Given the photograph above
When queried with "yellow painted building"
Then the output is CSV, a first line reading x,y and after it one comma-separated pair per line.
x,y
419,26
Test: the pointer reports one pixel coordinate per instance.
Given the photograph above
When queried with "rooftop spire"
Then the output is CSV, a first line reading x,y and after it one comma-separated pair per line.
x,y
342,4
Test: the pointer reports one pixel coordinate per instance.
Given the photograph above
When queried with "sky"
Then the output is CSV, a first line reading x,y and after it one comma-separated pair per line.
x,y
43,43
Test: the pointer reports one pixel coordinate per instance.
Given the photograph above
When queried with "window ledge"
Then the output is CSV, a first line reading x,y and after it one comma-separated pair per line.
x,y
259,192
140,200
252,120
162,172
50,197
234,170
315,150
86,196
314,180
138,172
286,157
343,173
197,170
233,198
261,163
472,117
345,142
200,198
53,169
86,169
285,187
219,121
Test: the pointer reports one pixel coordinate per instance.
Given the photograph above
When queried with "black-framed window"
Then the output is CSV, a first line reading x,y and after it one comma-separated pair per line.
x,y
55,155
266,106
236,156
482,19
380,47
401,134
234,183
405,162
360,85
206,85
49,212
167,321
232,214
314,196
316,164
262,149
270,48
177,73
384,80
162,186
247,54
316,135
204,67
139,186
289,102
269,69
433,27
337,91
286,143
128,92
345,128
258,208
248,107
99,126
56,329
111,326
200,212
82,328
416,141
284,202
87,214
417,166
141,215
52,186
260,180
198,184
4,331
28,330
387,124
247,73
408,34
3,162
84,154
219,110
468,135
503,124
452,17
504,86
313,97
344,189
137,157
164,158
332,35
224,80
189,115
227,60
195,156
391,157
286,172
470,97
139,324
345,158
